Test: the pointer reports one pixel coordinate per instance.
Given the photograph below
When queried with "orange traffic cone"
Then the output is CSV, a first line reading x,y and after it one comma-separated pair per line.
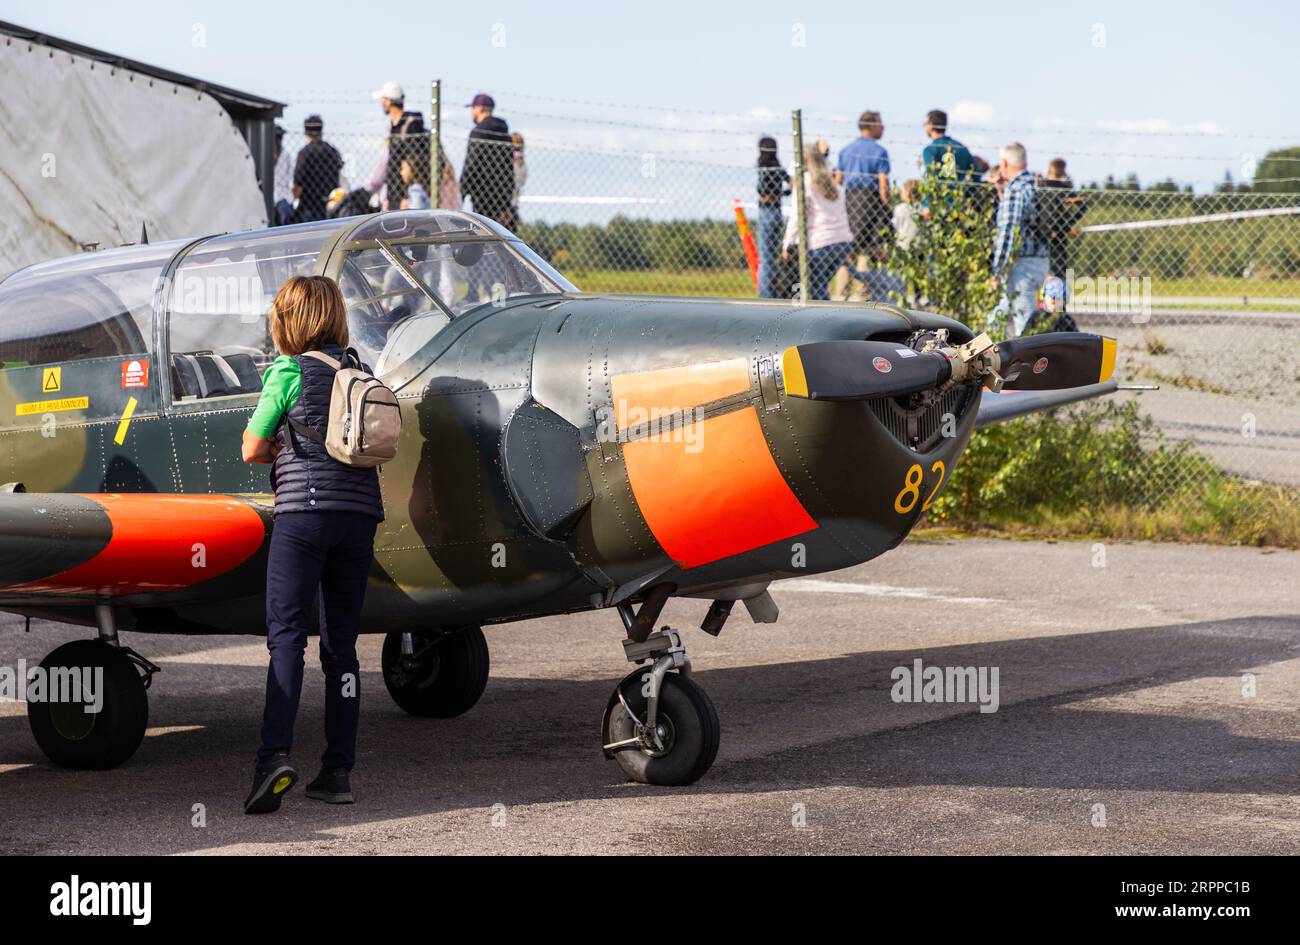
x,y
747,240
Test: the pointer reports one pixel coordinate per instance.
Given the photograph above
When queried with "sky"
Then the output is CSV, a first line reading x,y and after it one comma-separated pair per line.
x,y
1187,90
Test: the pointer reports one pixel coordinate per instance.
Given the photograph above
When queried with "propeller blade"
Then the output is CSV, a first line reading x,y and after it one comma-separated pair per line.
x,y
1055,360
860,370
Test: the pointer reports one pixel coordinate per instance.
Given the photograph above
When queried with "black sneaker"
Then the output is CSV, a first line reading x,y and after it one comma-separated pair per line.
x,y
332,787
270,782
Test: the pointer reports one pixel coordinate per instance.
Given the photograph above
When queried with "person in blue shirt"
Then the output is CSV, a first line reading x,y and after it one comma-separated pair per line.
x,y
863,172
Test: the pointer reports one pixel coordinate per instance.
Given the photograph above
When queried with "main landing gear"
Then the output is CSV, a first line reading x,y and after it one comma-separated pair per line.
x,y
436,674
660,727
94,708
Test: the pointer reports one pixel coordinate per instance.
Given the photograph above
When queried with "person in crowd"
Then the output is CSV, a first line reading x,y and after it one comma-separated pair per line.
x,y
1019,263
863,171
488,177
967,165
282,182
449,189
1059,211
408,139
322,543
521,178
827,223
414,179
905,216
773,184
315,172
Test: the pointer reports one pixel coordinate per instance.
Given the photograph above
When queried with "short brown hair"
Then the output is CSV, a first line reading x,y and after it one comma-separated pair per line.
x,y
868,119
307,314
1057,166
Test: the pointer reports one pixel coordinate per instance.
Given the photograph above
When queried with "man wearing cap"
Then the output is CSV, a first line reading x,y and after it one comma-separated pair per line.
x,y
489,175
407,140
315,173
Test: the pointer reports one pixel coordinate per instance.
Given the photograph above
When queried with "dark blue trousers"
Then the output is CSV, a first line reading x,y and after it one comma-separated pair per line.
x,y
325,555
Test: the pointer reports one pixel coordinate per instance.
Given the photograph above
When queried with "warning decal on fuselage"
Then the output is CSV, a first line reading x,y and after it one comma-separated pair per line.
x,y
50,406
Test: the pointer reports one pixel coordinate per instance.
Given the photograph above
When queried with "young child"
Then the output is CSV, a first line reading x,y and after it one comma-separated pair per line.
x,y
417,191
905,229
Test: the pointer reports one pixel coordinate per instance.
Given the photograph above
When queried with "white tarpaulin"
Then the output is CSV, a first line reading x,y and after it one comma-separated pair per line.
x,y
88,152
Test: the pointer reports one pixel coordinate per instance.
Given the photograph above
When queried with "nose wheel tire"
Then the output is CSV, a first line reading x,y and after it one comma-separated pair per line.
x,y
73,737
684,740
443,676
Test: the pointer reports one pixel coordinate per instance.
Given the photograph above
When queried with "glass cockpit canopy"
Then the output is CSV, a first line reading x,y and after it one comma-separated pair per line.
x,y
406,275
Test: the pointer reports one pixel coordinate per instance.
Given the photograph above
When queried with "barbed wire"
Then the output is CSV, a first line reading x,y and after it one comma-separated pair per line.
x,y
779,117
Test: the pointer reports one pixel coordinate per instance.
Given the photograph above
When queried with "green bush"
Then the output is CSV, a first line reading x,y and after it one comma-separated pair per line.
x,y
1091,456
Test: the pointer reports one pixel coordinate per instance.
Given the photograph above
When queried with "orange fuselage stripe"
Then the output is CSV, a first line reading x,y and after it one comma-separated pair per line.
x,y
711,489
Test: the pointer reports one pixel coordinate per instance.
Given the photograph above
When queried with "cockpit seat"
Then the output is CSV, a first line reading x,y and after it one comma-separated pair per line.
x,y
204,374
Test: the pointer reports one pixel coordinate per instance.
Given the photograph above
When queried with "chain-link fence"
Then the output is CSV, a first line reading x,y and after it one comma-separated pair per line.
x,y
1199,284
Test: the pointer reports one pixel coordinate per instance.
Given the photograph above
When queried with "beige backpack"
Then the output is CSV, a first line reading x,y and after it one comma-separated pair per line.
x,y
365,421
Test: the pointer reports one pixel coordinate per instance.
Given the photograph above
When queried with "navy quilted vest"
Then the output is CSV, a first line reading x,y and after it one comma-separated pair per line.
x,y
306,477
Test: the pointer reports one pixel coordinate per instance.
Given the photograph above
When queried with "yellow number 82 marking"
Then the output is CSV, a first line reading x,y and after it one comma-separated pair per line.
x,y
908,496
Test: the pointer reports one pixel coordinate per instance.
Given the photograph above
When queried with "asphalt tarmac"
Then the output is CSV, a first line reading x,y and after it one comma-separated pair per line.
x,y
1148,701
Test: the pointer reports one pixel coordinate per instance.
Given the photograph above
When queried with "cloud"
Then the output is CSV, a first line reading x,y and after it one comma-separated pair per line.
x,y
972,113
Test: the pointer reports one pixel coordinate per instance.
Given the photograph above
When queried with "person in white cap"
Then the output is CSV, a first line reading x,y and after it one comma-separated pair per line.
x,y
407,140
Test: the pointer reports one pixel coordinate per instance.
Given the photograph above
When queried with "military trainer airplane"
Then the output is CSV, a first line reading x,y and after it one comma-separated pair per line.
x,y
562,451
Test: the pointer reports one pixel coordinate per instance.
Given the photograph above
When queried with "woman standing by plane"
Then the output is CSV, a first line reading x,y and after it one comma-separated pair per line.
x,y
322,542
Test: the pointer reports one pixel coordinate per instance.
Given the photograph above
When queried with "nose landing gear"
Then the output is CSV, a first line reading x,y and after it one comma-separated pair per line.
x,y
660,726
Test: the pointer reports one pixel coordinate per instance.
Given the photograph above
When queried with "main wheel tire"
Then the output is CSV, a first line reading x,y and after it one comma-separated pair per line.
x,y
443,678
74,738
689,729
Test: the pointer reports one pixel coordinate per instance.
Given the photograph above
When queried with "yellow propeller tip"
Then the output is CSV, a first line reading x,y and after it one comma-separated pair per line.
x,y
1107,359
796,382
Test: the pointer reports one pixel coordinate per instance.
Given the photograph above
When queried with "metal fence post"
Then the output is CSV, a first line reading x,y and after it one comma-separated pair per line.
x,y
802,228
435,142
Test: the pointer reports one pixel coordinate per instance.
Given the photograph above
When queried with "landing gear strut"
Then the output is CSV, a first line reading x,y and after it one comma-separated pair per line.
x,y
97,718
660,727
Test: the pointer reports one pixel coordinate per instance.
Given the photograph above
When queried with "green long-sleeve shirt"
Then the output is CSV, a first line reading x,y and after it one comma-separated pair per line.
x,y
281,385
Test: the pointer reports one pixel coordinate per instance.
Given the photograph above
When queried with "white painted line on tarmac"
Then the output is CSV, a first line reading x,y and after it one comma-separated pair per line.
x,y
820,586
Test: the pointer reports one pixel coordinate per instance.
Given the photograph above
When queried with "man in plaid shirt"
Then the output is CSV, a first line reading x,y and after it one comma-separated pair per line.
x,y
1019,255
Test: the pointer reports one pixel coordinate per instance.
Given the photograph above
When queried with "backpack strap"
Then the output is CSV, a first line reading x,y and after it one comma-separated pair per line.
x,y
325,358
303,428
349,355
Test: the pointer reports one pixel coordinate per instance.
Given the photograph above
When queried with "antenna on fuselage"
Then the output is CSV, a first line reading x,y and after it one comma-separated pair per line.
x,y
144,235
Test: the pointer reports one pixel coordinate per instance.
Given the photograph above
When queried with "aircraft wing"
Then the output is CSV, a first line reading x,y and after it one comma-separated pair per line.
x,y
998,408
70,549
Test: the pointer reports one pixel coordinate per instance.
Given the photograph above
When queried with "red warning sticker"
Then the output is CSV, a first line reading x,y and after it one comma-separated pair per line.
x,y
882,365
1040,365
135,373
